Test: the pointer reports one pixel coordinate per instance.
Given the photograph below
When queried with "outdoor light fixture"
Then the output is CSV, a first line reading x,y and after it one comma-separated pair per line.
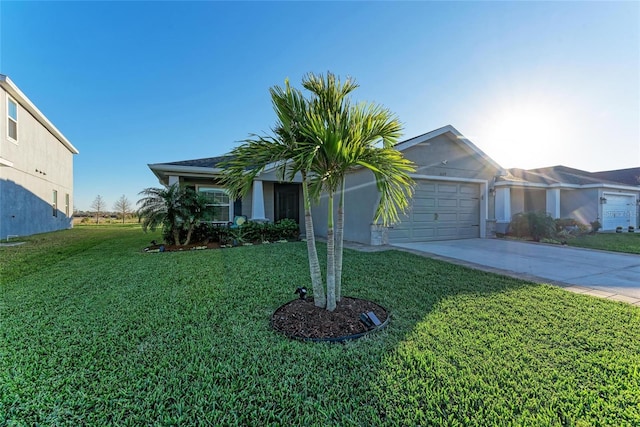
x,y
603,200
302,292
492,191
370,320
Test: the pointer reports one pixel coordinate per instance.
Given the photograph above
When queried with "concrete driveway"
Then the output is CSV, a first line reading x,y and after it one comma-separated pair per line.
x,y
605,274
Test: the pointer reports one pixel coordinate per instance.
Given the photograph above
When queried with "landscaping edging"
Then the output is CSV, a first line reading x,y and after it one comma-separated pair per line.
x,y
287,314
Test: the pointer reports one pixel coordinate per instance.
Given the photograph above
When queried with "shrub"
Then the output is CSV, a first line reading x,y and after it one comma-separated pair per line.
x,y
536,225
595,226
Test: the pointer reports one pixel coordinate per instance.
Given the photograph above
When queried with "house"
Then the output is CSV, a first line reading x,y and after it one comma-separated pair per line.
x,y
610,197
460,193
36,168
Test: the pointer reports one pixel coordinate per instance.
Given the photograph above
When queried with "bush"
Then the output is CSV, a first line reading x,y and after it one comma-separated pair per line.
x,y
570,227
595,226
537,225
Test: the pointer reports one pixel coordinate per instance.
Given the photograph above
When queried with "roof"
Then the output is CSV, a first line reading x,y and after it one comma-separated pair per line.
x,y
21,98
453,133
208,162
558,175
630,176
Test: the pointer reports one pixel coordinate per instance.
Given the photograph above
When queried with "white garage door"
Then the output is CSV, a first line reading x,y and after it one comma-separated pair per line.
x,y
440,211
618,211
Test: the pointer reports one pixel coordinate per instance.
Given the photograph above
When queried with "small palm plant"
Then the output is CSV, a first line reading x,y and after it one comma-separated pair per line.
x,y
177,209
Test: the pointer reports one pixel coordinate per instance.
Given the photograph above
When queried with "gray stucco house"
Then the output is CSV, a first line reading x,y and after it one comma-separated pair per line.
x,y
36,168
460,193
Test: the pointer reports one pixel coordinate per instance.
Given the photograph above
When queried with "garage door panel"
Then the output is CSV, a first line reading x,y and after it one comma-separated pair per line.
x,y
468,189
448,217
457,206
447,203
423,233
467,218
447,188
468,203
424,202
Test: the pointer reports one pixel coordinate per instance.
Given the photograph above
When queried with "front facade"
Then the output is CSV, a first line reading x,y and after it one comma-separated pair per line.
x,y
460,193
268,200
36,168
609,197
451,197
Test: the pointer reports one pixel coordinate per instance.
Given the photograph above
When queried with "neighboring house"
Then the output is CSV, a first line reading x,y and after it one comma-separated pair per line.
x,y
36,168
610,197
460,193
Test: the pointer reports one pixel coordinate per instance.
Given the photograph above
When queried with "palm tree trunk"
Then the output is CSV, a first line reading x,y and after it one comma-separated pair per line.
x,y
319,298
189,232
339,242
176,236
331,273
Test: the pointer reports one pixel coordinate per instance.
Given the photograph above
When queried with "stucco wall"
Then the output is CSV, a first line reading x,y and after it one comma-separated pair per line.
x,y
41,164
441,157
361,198
581,204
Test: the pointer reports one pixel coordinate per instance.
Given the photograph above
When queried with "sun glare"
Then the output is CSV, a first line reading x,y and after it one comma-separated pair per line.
x,y
524,136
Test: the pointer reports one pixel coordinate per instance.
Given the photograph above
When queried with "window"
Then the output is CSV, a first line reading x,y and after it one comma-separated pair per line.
x,y
66,205
54,205
218,206
12,119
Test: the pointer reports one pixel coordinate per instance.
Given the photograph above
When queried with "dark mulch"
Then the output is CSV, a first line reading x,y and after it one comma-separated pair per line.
x,y
189,247
302,319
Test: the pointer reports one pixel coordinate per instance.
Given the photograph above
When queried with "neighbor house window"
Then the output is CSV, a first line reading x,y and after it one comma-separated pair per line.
x,y
12,119
66,205
218,206
54,205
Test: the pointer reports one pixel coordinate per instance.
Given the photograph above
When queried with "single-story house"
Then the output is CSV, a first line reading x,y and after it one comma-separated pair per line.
x,y
460,193
610,197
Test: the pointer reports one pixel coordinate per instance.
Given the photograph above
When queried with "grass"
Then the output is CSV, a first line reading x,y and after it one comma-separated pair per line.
x,y
617,242
95,332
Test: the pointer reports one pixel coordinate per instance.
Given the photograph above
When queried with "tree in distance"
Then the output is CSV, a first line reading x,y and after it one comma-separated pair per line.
x,y
122,206
98,206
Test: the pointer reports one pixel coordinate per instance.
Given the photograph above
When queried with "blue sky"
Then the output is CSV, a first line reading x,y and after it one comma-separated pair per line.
x,y
131,83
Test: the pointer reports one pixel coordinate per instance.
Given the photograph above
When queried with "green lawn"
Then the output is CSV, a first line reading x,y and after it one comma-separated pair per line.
x,y
618,242
95,332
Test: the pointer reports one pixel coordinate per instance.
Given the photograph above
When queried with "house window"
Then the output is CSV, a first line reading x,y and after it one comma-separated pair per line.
x,y
218,204
54,205
66,205
12,119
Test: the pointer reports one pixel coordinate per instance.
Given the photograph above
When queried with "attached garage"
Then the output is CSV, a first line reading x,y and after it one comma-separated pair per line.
x,y
440,210
618,210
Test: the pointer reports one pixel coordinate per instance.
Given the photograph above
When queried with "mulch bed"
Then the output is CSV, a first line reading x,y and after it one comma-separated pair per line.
x,y
189,247
301,319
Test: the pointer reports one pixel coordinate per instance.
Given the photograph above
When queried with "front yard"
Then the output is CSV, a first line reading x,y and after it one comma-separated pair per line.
x,y
95,332
617,242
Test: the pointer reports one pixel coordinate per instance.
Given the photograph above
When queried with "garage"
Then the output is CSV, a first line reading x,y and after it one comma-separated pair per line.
x,y
440,210
618,210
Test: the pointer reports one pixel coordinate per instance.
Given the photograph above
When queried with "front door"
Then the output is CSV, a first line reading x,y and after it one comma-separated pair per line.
x,y
287,202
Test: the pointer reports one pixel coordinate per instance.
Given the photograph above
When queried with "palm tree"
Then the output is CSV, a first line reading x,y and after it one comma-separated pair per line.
x,y
174,207
346,138
283,151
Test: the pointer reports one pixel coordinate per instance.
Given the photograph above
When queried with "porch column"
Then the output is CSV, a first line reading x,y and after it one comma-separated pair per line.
x,y
257,202
553,202
173,179
503,209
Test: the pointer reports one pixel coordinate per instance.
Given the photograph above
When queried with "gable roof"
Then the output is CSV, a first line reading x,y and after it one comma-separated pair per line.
x,y
454,134
21,98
